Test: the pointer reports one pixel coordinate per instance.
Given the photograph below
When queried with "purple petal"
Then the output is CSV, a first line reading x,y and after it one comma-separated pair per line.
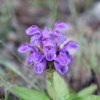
x,y
37,57
24,48
71,45
39,67
46,33
35,40
63,59
59,37
60,68
50,53
32,30
49,42
28,60
60,25
70,57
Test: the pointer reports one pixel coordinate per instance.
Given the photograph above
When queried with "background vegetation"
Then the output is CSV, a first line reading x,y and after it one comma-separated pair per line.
x,y
83,19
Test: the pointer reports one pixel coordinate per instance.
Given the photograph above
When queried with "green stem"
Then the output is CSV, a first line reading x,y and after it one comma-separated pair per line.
x,y
50,78
53,91
55,10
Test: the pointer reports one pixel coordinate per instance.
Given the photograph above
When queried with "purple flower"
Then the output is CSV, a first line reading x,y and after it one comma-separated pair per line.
x,y
36,40
59,25
63,59
24,47
45,48
61,68
71,45
46,34
59,37
32,30
49,49
39,67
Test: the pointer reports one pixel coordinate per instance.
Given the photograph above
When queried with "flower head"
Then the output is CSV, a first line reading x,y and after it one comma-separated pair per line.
x,y
45,51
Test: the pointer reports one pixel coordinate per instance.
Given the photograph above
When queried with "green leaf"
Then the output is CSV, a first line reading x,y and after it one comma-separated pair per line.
x,y
28,94
61,88
22,99
92,97
88,90
69,97
75,97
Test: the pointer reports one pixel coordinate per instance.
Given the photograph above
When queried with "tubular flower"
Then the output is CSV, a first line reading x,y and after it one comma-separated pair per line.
x,y
45,51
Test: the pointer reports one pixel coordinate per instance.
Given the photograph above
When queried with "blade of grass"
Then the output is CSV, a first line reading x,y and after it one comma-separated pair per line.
x,y
15,70
12,53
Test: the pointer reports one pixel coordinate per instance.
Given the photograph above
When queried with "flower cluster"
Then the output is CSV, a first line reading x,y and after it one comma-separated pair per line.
x,y
45,50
